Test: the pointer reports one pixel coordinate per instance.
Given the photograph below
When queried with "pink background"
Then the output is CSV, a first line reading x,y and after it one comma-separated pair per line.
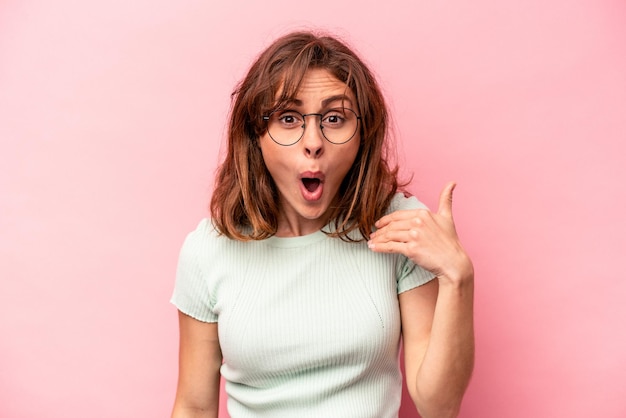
x,y
111,117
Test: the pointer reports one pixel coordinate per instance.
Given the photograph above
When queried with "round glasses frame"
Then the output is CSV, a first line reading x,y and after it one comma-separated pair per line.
x,y
321,126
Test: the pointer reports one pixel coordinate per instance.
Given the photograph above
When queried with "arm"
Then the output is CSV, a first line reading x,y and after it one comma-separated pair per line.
x,y
437,318
438,337
200,358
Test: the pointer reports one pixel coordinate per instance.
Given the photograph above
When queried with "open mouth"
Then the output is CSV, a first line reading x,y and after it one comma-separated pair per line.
x,y
311,184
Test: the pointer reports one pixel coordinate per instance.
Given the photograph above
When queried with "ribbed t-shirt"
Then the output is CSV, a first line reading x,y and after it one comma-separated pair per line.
x,y
309,326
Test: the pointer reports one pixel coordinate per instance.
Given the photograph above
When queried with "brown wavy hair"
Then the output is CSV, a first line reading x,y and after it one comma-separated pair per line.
x,y
244,205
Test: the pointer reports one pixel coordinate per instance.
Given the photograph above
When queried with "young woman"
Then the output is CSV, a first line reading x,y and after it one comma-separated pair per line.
x,y
312,267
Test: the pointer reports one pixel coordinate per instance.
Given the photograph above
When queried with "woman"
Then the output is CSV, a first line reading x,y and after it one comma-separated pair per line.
x,y
312,266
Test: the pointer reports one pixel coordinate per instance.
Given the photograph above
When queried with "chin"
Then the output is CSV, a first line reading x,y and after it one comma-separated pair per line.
x,y
316,212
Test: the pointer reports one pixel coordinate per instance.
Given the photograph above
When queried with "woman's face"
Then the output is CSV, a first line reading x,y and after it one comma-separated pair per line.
x,y
308,173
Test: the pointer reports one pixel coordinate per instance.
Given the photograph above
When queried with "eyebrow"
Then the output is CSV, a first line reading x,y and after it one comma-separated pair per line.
x,y
326,101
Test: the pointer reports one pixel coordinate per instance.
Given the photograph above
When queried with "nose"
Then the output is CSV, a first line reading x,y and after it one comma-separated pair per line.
x,y
312,138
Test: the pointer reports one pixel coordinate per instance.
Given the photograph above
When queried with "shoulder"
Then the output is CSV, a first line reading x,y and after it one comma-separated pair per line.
x,y
209,245
204,230
403,201
203,234
202,241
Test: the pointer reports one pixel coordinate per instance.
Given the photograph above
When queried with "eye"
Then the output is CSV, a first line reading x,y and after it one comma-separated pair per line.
x,y
289,119
333,119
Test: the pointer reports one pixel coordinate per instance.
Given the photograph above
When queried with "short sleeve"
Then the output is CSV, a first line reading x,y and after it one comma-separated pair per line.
x,y
191,291
409,275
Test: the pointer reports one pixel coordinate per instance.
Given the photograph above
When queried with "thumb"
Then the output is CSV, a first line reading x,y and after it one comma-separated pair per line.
x,y
445,200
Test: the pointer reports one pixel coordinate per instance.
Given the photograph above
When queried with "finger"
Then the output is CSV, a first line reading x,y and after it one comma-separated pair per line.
x,y
389,247
389,218
445,200
400,225
399,236
398,216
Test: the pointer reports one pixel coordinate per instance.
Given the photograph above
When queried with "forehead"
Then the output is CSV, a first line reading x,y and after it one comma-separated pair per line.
x,y
318,86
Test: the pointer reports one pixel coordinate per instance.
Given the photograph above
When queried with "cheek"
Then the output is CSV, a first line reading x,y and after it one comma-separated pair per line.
x,y
274,158
350,155
267,151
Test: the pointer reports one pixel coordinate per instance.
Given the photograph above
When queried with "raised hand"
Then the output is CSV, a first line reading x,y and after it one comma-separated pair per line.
x,y
428,239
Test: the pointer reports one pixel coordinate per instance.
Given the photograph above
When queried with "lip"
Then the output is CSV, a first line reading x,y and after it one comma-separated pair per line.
x,y
317,193
312,175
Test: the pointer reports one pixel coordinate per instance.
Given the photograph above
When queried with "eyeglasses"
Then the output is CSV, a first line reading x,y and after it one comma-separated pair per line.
x,y
286,127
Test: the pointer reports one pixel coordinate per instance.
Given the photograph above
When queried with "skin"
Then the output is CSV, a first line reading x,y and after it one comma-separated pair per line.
x,y
199,361
200,355
437,318
313,153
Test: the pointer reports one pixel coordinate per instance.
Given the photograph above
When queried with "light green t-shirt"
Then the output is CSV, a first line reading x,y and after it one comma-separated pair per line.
x,y
308,326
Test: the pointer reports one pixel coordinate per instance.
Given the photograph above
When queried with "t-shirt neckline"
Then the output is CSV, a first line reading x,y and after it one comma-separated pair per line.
x,y
293,242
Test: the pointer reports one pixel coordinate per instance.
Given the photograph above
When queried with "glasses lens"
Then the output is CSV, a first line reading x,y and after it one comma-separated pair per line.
x,y
339,125
286,127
